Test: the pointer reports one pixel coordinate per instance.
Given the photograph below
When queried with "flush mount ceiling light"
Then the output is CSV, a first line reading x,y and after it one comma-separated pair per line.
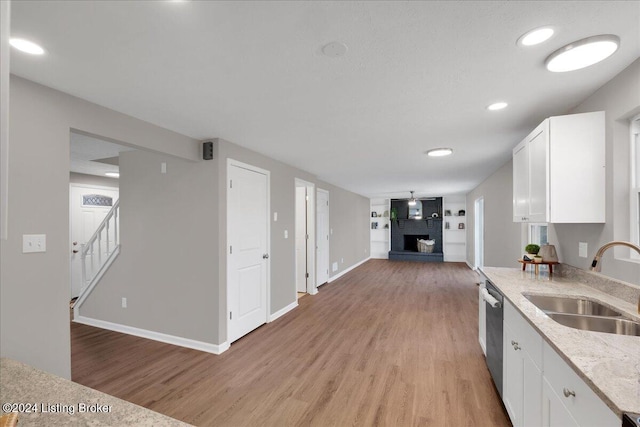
x,y
334,49
582,53
113,174
26,46
440,152
497,106
535,36
412,200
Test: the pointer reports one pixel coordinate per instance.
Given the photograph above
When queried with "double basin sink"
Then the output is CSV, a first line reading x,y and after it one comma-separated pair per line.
x,y
585,314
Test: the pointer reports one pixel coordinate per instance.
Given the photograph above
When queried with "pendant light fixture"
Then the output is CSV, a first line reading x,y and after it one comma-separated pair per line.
x,y
412,200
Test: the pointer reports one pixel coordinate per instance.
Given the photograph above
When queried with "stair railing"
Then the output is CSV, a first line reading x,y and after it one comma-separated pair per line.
x,y
100,247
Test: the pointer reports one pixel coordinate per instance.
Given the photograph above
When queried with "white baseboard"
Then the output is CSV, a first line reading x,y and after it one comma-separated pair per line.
x,y
343,272
283,311
156,336
469,265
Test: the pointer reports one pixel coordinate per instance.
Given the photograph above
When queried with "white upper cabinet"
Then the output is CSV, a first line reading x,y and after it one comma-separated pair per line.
x,y
559,171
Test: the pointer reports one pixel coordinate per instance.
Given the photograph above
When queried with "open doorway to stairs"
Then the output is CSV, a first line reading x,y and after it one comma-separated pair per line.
x,y
94,191
305,240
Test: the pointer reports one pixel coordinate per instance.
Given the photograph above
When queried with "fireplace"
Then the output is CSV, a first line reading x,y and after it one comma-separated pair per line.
x,y
411,241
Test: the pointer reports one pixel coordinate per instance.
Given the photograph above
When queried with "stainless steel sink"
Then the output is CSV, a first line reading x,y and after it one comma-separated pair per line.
x,y
551,304
609,325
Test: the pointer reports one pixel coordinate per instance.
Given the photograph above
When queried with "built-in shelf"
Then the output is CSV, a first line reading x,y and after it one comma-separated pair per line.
x,y
379,237
454,238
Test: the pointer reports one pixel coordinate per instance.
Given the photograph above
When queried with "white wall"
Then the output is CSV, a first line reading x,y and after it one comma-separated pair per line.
x,y
101,181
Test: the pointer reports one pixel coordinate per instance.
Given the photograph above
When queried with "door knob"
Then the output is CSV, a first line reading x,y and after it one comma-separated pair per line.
x,y
75,243
75,251
265,256
568,392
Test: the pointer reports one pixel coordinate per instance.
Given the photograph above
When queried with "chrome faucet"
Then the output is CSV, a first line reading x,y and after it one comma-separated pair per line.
x,y
595,264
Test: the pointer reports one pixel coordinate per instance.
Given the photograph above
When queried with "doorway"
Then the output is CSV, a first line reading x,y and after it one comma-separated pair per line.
x,y
305,237
248,253
479,233
94,189
322,236
88,206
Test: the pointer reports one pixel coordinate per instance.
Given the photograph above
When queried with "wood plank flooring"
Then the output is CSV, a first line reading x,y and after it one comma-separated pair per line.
x,y
390,343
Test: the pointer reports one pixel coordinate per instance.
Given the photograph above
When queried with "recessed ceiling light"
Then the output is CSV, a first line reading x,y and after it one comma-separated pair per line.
x,y
334,49
536,36
113,174
26,46
439,152
582,53
497,106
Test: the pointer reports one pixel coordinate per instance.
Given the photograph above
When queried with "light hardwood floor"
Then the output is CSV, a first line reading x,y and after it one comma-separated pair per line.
x,y
390,343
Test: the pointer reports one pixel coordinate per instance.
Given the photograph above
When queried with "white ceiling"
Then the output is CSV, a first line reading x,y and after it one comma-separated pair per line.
x,y
417,75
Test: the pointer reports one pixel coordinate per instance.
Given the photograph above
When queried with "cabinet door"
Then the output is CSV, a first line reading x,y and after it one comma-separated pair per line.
x,y
554,414
513,377
539,173
521,182
532,392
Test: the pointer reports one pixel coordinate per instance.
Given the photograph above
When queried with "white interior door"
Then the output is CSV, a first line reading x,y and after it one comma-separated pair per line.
x,y
84,219
248,256
322,236
301,238
479,233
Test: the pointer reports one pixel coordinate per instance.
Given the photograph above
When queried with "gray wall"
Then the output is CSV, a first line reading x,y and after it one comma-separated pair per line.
x,y
34,288
502,245
173,234
167,268
620,99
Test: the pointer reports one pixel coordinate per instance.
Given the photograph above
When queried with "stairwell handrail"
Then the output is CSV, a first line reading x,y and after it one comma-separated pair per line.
x,y
101,227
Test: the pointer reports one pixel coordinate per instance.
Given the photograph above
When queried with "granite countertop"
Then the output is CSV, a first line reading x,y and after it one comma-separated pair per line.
x,y
55,401
608,363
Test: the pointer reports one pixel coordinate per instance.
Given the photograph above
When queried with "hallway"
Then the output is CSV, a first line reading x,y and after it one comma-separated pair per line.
x,y
390,343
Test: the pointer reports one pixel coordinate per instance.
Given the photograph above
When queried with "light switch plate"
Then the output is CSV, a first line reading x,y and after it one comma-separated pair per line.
x,y
34,243
582,249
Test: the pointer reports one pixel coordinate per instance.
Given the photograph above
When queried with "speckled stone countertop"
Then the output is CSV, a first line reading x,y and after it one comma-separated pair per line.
x,y
55,401
608,363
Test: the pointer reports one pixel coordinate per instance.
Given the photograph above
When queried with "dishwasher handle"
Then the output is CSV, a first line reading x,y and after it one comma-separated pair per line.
x,y
494,303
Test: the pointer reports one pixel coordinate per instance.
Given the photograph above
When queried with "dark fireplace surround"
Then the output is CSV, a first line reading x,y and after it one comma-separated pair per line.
x,y
405,232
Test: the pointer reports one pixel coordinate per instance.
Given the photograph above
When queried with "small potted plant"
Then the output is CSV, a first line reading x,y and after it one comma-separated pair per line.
x,y
531,251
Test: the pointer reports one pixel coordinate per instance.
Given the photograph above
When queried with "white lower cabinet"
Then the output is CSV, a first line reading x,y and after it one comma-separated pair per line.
x,y
568,400
522,363
539,388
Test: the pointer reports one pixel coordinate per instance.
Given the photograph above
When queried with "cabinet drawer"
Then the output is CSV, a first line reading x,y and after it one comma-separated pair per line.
x,y
585,406
527,337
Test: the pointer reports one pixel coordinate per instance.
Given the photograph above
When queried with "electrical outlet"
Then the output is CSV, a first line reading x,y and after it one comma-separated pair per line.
x,y
334,267
124,303
275,217
286,234
342,260
582,249
163,167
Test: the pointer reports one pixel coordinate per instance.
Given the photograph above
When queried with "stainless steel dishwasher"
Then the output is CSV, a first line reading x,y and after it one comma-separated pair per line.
x,y
494,318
